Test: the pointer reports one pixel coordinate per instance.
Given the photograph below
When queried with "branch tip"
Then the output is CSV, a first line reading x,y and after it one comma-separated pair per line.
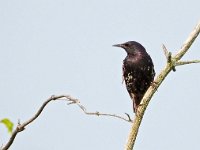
x,y
165,50
129,118
179,63
168,56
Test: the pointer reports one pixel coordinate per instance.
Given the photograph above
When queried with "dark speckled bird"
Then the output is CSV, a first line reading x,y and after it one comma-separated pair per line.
x,y
138,71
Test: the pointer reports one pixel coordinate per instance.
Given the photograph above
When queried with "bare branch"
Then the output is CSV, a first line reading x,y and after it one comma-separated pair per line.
x,y
76,101
159,79
168,56
20,127
179,63
166,52
193,35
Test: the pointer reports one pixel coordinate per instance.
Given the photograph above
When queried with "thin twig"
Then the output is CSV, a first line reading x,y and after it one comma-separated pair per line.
x,y
193,35
168,56
20,127
166,52
179,63
152,89
76,101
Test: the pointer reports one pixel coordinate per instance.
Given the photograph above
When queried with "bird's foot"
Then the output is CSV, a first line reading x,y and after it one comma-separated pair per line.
x,y
138,110
154,84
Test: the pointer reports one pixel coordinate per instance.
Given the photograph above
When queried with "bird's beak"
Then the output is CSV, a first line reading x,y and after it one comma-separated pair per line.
x,y
118,45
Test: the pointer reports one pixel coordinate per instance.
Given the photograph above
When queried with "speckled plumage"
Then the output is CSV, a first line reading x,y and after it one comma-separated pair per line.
x,y
138,71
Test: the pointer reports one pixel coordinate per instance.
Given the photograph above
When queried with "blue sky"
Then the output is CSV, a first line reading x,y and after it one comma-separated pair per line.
x,y
65,47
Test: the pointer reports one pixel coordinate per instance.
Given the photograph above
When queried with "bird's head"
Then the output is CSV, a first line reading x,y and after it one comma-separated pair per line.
x,y
131,47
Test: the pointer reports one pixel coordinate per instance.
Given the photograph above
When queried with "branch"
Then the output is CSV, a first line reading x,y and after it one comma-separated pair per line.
x,y
168,56
160,78
166,53
180,63
193,35
75,101
20,127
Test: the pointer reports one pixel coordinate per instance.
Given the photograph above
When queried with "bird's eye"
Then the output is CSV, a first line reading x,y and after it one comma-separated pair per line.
x,y
126,44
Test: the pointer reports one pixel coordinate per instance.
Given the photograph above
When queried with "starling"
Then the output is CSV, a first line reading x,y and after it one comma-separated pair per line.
x,y
138,71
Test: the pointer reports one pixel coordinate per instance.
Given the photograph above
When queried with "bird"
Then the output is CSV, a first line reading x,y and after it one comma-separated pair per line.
x,y
138,71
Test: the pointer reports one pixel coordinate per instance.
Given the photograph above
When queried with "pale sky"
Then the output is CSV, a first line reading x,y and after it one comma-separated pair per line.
x,y
65,47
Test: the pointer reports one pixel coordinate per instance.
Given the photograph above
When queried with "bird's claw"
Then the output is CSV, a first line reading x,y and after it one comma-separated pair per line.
x,y
154,84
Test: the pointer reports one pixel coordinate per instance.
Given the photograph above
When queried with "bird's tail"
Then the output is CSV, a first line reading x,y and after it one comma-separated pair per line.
x,y
136,102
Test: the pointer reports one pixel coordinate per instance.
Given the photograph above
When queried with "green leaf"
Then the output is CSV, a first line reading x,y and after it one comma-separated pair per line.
x,y
8,124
